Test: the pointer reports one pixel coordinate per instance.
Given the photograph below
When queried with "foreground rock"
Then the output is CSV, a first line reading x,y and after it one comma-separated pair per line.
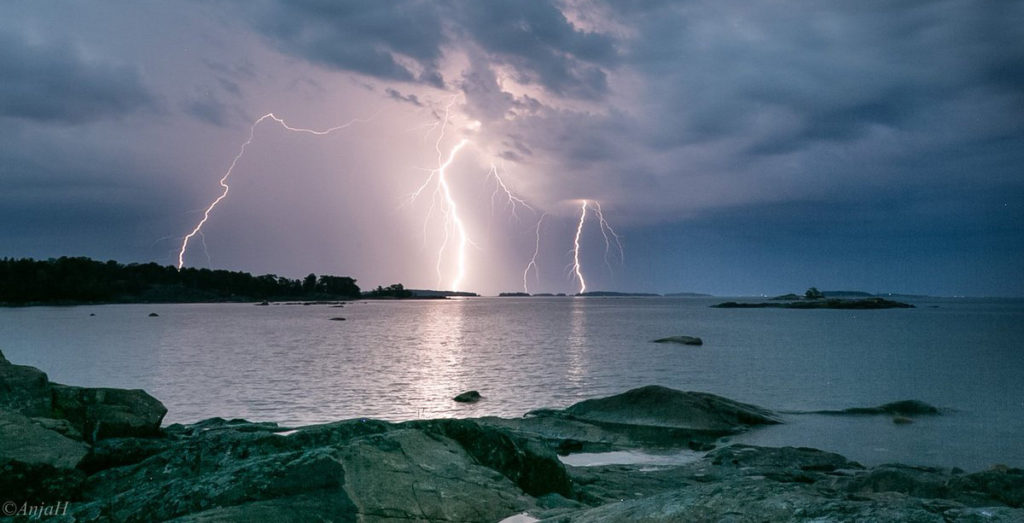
x,y
442,470
647,417
89,413
456,469
745,483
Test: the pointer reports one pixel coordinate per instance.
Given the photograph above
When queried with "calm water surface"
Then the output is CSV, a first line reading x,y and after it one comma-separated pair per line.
x,y
405,360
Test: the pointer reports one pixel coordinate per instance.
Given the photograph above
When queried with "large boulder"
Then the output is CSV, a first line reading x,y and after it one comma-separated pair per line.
x,y
100,413
532,466
24,389
23,440
447,470
658,406
37,463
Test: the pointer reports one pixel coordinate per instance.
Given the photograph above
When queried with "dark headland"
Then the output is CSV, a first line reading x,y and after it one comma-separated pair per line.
x,y
91,454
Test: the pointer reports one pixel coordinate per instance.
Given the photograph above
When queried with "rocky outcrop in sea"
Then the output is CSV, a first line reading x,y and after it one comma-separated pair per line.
x,y
102,455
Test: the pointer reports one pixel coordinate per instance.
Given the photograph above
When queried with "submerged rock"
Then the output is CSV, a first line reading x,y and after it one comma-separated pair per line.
x,y
470,396
900,410
897,408
682,340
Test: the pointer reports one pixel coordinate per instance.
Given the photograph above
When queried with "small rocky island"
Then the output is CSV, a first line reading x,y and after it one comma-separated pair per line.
x,y
91,454
815,299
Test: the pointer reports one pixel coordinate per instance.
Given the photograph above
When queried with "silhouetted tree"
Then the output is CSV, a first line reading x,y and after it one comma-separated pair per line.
x,y
814,294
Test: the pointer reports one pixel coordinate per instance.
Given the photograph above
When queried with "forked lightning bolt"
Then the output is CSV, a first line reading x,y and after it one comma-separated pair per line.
x,y
225,188
449,207
576,249
607,232
452,219
513,201
533,260
453,222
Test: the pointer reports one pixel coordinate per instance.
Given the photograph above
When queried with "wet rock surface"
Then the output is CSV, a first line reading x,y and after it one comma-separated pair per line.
x,y
449,470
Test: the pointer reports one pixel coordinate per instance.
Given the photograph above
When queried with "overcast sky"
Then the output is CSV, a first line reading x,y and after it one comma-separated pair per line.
x,y
734,148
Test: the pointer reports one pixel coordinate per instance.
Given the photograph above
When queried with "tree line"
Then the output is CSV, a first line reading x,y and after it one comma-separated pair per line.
x,y
83,280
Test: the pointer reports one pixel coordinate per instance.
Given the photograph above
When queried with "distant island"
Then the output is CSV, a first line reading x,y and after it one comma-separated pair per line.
x,y
687,295
599,294
815,299
602,294
80,280
398,291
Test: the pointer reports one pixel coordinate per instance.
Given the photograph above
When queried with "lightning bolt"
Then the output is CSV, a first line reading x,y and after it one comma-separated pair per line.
x,y
576,249
512,201
609,234
225,188
452,219
443,202
533,260
450,210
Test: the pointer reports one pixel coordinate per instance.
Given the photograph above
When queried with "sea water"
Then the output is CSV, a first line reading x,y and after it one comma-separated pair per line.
x,y
400,360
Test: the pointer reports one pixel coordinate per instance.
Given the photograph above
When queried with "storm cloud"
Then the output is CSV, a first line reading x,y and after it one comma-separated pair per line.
x,y
52,81
777,130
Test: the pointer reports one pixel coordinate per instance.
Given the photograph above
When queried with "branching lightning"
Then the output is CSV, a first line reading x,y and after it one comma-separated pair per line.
x,y
609,234
449,207
512,201
225,188
443,201
452,219
533,260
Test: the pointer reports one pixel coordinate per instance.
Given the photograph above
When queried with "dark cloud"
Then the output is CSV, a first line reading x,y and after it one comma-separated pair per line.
x,y
406,40
407,98
540,43
53,82
365,36
208,109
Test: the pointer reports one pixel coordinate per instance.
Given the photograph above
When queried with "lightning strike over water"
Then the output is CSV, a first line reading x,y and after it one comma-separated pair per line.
x,y
533,260
449,209
607,230
241,152
576,249
452,219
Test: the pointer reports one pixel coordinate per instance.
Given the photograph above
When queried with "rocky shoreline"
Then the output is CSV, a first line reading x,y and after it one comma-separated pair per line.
x,y
85,454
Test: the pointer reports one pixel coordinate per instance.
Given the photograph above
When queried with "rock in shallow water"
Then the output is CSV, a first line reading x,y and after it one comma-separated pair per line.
x,y
470,396
682,340
659,406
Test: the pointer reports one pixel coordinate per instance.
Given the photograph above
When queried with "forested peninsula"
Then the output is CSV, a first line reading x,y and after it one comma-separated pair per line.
x,y
78,280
